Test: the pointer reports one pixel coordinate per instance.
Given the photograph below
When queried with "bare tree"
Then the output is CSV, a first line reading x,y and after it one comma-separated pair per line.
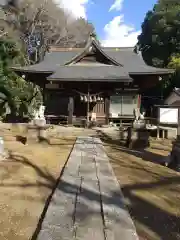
x,y
42,22
74,33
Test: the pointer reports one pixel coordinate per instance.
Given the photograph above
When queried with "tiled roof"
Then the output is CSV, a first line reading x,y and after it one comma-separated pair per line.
x,y
124,64
95,73
51,62
133,62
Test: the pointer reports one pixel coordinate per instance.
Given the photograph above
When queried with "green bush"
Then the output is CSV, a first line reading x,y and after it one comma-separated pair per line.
x,y
17,96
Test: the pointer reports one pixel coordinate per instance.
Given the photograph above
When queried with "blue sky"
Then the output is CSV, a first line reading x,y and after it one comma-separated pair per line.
x,y
133,11
117,22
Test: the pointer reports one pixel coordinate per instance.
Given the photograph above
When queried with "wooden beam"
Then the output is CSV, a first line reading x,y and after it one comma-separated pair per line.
x,y
107,108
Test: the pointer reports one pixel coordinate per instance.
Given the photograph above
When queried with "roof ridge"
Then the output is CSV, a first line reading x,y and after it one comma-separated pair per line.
x,y
106,55
92,42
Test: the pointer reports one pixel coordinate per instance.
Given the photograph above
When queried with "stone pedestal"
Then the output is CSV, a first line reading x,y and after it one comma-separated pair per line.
x,y
36,133
123,134
138,138
175,156
39,122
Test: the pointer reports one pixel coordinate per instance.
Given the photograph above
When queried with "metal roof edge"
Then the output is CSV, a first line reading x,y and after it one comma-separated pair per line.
x,y
91,79
167,106
160,72
20,69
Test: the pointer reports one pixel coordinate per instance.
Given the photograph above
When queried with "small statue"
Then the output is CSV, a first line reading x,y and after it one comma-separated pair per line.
x,y
41,112
35,114
136,114
142,116
139,119
38,116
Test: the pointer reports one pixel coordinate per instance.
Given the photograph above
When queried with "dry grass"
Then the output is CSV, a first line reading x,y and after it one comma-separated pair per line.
x,y
152,191
26,181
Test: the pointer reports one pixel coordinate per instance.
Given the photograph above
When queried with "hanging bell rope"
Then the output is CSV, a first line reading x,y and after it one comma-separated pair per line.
x,y
95,98
85,94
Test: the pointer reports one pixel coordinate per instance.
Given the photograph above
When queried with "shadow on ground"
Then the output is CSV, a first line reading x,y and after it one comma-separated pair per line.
x,y
152,222
165,225
141,153
49,141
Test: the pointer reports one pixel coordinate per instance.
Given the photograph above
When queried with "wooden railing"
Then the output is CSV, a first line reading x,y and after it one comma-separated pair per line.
x,y
152,121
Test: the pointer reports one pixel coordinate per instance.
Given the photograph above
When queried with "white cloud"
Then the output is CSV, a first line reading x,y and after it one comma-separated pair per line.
x,y
117,5
118,34
76,7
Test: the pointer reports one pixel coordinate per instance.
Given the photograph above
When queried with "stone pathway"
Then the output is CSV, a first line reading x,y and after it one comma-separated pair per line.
x,y
87,203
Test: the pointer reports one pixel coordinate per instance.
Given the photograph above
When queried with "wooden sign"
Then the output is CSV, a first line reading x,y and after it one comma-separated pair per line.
x,y
168,115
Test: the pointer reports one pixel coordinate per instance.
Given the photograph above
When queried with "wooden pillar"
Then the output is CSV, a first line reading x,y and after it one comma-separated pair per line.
x,y
158,124
70,110
163,134
107,108
158,132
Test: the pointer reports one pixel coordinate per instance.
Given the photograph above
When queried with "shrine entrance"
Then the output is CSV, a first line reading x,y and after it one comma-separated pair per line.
x,y
90,106
80,107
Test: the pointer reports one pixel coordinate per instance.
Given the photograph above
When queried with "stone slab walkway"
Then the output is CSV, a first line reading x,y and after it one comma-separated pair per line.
x,y
88,203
